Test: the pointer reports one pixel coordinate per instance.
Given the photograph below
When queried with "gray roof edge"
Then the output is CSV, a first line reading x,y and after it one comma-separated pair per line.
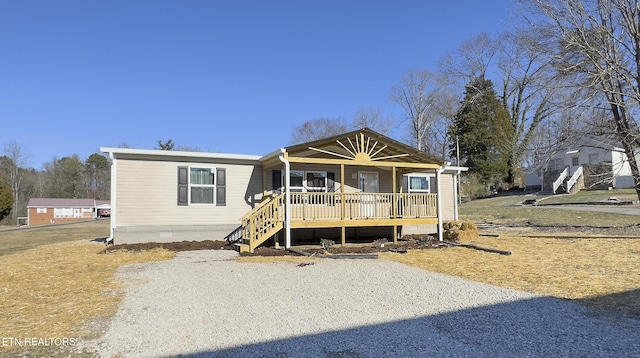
x,y
180,154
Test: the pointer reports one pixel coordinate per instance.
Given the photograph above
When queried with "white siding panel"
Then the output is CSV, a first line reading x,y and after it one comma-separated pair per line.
x,y
147,194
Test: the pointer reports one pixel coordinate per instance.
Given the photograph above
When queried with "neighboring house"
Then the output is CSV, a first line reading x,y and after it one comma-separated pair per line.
x,y
59,210
597,162
356,185
103,208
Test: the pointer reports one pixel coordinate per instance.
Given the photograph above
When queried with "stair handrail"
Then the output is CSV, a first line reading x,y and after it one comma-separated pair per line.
x,y
560,180
253,228
265,201
574,178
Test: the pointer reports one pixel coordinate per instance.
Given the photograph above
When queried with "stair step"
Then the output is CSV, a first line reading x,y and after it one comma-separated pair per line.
x,y
241,247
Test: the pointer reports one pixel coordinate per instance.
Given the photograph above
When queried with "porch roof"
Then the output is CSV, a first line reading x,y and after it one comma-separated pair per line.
x,y
359,147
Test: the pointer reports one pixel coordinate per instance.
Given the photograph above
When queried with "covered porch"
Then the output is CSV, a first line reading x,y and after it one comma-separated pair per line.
x,y
358,179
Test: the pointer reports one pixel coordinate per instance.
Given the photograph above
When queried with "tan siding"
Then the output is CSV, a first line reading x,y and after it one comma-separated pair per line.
x,y
447,199
351,179
448,193
147,194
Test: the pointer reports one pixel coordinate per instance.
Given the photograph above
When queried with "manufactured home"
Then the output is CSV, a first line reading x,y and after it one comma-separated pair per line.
x,y
352,186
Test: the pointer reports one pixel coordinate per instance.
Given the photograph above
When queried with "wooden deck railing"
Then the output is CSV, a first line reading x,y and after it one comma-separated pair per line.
x,y
267,219
354,206
263,221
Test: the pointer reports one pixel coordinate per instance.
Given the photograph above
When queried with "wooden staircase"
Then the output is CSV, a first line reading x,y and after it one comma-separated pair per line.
x,y
261,223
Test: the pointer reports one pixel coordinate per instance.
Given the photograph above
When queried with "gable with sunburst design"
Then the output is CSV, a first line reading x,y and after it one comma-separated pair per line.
x,y
362,146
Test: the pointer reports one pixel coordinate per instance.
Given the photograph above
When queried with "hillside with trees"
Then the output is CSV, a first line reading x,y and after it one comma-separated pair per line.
x,y
66,177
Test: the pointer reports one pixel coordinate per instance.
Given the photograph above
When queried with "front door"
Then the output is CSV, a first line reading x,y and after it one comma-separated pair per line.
x,y
368,182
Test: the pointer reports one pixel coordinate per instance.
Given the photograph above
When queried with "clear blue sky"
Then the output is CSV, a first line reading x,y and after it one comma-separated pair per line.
x,y
223,76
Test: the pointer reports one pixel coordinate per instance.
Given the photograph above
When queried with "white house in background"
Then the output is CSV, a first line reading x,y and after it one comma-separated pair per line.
x,y
597,161
354,185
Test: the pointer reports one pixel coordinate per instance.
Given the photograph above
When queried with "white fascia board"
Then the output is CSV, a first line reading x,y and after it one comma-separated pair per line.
x,y
180,154
453,168
273,154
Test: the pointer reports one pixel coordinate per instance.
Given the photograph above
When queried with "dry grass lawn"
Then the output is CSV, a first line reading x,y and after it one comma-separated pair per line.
x,y
588,270
54,290
32,236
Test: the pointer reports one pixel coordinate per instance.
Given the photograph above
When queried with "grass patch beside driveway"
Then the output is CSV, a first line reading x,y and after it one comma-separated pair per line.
x,y
576,269
28,237
53,291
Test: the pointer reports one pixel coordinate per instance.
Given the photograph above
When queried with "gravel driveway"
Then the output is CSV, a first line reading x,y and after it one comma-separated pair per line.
x,y
204,304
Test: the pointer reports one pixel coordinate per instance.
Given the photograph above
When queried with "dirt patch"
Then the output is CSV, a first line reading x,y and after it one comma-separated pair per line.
x,y
409,242
610,231
173,246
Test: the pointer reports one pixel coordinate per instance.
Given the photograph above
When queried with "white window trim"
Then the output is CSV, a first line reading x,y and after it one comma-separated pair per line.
x,y
296,189
215,181
63,212
41,210
576,160
409,190
306,183
305,186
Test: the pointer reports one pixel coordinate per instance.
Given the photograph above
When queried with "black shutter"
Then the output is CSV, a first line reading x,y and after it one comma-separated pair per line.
x,y
183,186
221,187
276,180
331,182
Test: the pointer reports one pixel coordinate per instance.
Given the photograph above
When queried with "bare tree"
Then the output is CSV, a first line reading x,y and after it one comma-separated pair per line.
x,y
528,89
372,118
446,106
470,61
599,48
416,95
317,129
186,148
14,163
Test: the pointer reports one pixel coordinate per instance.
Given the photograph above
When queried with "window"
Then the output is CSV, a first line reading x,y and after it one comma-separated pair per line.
x,y
201,185
593,158
418,184
556,164
316,182
197,185
41,210
574,161
308,182
296,181
62,212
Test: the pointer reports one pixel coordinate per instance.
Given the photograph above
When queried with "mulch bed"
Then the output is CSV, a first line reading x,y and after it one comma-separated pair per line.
x,y
173,246
406,243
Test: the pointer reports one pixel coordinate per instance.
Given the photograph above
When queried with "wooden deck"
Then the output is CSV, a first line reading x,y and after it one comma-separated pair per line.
x,y
323,210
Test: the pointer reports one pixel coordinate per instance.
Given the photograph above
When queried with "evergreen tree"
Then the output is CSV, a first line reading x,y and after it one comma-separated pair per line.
x,y
6,200
483,130
168,145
